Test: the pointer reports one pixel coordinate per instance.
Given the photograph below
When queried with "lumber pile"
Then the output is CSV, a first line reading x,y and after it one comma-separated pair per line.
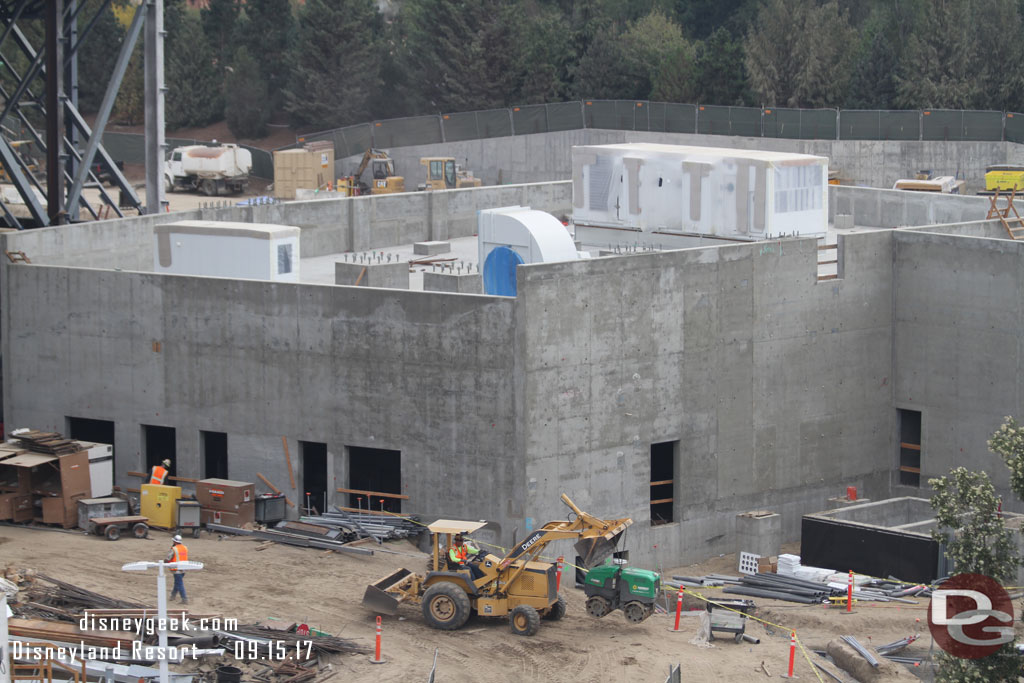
x,y
51,443
44,629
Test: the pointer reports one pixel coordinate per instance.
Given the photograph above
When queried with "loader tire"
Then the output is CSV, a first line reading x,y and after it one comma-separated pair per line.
x,y
446,606
556,611
524,620
597,607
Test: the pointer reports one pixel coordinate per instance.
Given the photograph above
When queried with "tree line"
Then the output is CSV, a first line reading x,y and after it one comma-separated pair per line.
x,y
320,64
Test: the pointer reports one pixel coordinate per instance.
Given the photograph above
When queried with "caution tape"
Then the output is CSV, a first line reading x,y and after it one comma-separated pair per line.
x,y
803,650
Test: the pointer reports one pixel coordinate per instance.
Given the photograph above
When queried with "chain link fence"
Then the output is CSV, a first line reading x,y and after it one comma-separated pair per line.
x,y
662,117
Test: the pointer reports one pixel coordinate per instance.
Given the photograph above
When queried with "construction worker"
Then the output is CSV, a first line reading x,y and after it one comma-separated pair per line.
x,y
159,475
463,555
179,553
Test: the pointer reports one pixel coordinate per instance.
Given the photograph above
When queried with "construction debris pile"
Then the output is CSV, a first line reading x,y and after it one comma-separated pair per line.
x,y
336,530
356,525
55,611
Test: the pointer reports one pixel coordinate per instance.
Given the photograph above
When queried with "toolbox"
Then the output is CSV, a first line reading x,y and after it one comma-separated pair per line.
x,y
225,494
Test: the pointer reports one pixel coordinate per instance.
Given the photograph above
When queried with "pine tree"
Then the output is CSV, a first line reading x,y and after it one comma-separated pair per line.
x,y
720,74
335,63
268,30
997,28
194,87
938,66
457,53
97,55
543,56
220,20
245,97
875,58
796,54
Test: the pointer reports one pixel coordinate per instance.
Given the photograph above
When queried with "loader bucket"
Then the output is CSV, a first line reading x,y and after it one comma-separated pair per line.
x,y
594,551
377,597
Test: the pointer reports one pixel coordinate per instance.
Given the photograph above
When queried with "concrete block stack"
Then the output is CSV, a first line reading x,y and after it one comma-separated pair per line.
x,y
223,501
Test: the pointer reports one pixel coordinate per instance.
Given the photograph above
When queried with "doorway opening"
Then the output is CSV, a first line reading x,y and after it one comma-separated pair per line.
x,y
663,481
910,447
375,470
213,450
314,476
96,431
158,444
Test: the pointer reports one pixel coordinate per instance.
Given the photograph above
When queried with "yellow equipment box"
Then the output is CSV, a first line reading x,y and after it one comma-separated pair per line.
x,y
160,505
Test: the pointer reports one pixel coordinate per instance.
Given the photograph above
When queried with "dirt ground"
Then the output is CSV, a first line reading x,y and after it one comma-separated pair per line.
x,y
325,590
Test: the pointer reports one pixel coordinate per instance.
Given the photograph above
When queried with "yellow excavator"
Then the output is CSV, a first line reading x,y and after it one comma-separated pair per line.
x,y
443,174
518,585
383,180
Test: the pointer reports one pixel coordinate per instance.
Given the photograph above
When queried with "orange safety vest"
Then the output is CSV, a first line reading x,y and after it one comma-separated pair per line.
x,y
459,554
180,553
158,476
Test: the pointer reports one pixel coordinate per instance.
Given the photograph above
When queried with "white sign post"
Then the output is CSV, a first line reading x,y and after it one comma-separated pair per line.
x,y
161,601
5,642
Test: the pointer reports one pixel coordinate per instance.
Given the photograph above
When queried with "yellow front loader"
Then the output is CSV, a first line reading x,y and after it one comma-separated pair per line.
x,y
518,585
443,174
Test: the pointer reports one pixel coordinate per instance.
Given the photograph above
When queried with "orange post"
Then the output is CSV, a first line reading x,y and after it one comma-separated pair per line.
x,y
558,574
792,654
849,594
377,659
679,607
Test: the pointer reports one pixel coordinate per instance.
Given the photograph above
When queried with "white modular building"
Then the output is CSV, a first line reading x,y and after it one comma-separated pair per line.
x,y
254,251
673,195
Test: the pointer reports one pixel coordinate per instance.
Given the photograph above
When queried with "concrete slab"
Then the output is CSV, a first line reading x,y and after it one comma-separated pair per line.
x,y
431,248
394,275
458,283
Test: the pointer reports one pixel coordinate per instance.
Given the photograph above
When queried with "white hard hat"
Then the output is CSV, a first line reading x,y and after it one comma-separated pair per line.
x,y
167,463
177,538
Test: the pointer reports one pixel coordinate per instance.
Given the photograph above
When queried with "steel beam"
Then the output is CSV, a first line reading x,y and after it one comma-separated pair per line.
x,y
54,112
100,124
154,105
9,159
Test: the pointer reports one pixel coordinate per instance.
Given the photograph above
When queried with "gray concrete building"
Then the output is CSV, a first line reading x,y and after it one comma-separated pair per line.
x,y
678,387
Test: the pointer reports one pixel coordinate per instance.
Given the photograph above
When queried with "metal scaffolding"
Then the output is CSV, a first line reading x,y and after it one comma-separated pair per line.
x,y
47,90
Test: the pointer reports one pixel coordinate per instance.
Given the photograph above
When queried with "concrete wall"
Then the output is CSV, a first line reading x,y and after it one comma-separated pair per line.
x,y
547,156
433,375
957,348
328,226
879,208
776,386
780,390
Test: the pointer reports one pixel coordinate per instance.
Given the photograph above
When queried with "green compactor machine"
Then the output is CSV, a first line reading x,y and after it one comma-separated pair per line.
x,y
614,585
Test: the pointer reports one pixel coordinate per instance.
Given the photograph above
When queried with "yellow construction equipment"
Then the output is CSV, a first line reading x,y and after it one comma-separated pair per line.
x,y
1003,178
443,174
383,180
518,585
